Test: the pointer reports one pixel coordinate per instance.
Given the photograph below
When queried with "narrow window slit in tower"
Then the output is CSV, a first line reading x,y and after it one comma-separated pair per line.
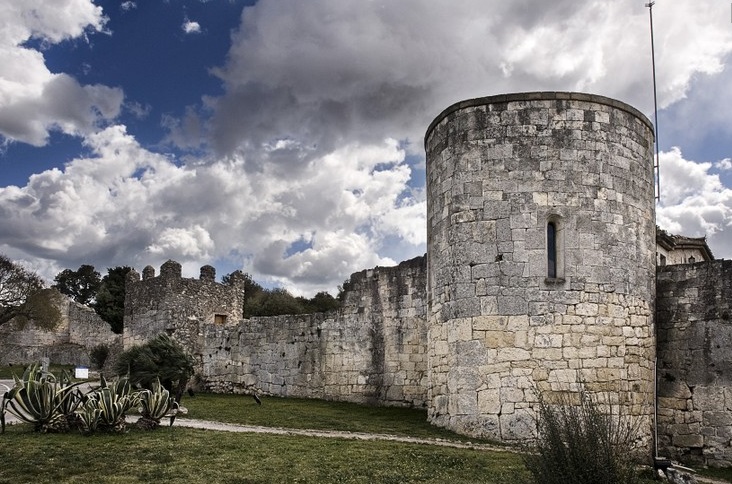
x,y
551,250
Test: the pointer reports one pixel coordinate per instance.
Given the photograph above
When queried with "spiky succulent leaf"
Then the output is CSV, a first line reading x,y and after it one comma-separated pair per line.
x,y
33,401
113,407
122,387
89,415
156,403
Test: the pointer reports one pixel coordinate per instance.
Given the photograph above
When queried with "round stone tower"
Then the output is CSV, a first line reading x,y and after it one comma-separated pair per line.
x,y
541,258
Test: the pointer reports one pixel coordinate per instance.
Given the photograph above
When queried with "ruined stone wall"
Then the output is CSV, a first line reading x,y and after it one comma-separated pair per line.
x,y
500,171
372,350
694,319
68,344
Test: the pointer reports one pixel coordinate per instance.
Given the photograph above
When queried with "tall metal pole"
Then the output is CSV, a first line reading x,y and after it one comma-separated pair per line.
x,y
657,166
657,170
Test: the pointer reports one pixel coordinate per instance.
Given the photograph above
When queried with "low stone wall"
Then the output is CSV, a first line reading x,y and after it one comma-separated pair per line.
x,y
694,316
372,350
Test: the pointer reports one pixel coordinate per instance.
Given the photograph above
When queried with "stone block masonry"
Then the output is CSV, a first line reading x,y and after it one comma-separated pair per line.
x,y
373,350
171,304
541,260
540,272
80,330
694,317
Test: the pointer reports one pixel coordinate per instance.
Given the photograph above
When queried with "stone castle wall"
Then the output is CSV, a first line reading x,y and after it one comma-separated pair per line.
x,y
372,350
68,344
472,329
694,318
171,304
500,171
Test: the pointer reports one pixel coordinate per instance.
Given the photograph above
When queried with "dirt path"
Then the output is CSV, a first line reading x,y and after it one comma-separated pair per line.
x,y
209,425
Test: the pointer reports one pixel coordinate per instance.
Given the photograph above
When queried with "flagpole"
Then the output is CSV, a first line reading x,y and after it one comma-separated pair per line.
x,y
657,171
657,165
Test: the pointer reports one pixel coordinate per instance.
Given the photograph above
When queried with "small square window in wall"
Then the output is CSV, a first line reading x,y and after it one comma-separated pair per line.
x,y
220,319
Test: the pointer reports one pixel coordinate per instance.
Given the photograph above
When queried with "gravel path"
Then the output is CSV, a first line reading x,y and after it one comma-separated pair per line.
x,y
209,425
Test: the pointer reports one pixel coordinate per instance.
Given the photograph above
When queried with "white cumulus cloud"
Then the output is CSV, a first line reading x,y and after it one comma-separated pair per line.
x,y
315,164
326,71
694,202
33,100
191,27
126,204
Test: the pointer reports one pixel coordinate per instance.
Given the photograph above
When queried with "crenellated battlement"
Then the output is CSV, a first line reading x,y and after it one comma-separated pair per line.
x,y
175,305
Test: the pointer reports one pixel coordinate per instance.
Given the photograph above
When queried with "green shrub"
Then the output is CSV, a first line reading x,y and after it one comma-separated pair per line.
x,y
160,359
579,443
98,355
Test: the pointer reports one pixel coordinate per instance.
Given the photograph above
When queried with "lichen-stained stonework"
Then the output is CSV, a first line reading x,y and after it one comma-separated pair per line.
x,y
373,350
694,316
499,171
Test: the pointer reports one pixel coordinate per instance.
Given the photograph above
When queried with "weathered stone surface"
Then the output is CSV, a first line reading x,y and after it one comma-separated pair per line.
x,y
68,344
175,305
372,350
688,440
677,476
592,319
694,353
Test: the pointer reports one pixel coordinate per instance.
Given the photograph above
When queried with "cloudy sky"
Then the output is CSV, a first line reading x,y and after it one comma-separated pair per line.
x,y
284,137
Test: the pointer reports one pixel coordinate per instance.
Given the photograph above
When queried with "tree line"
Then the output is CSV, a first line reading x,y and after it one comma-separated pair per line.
x,y
24,296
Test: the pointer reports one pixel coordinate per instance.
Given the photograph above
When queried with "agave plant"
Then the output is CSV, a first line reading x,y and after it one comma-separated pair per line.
x,y
89,416
42,400
154,405
68,399
107,406
2,407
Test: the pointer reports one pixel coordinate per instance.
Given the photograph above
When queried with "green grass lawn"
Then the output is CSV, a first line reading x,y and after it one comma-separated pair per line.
x,y
316,414
178,455
719,474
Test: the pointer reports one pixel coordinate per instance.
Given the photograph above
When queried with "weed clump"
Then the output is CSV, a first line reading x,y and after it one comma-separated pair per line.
x,y
582,441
